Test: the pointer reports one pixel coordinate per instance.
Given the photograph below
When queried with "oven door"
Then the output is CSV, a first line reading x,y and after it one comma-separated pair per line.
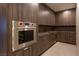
x,y
23,37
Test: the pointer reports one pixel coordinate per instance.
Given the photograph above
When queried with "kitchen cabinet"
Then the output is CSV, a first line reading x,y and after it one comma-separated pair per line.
x,y
52,18
41,15
45,15
13,11
35,49
52,38
30,12
45,41
66,18
24,11
27,51
66,36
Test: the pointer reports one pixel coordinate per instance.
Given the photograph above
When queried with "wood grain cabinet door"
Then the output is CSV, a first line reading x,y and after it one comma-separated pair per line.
x,y
35,49
41,15
52,37
52,18
30,12
26,10
13,11
40,46
66,19
33,12
72,37
67,37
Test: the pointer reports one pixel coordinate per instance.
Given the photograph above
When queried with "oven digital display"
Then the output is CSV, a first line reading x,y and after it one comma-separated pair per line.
x,y
25,36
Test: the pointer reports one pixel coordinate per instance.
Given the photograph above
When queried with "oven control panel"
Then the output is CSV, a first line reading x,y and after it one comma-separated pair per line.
x,y
23,24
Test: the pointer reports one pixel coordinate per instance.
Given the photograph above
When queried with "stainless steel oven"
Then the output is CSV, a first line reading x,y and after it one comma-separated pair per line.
x,y
23,34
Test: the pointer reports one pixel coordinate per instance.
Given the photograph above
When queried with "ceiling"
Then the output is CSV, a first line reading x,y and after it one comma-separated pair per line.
x,y
61,6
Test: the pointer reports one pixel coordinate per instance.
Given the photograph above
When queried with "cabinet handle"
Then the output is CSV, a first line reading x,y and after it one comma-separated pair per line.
x,y
25,48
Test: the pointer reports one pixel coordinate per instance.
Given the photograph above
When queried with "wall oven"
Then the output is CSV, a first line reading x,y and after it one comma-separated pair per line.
x,y
23,34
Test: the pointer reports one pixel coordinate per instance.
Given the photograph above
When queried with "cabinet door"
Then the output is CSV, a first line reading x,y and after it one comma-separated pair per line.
x,y
13,11
43,15
44,42
40,15
52,39
20,11
30,12
35,49
66,18
52,18
46,16
71,37
67,37
26,11
33,12
39,46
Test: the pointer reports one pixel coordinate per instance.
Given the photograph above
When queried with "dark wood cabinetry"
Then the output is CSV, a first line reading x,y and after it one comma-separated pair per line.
x,y
66,18
25,12
13,11
45,42
42,44
36,13
27,51
45,17
66,36
30,12
52,18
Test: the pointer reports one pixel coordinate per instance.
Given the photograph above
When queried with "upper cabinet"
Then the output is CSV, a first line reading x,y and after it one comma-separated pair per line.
x,y
45,16
41,14
30,12
13,11
52,18
25,12
66,18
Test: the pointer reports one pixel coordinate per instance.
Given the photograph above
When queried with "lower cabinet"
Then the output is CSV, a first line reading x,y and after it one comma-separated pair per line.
x,y
66,37
45,42
36,49
23,52
52,37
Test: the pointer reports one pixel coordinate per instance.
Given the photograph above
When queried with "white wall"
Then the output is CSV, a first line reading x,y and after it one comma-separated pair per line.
x,y
77,28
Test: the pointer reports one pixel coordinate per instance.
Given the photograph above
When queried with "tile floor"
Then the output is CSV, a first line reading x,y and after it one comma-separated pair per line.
x,y
61,49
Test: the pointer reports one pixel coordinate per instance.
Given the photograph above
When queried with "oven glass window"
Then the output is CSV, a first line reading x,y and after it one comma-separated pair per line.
x,y
25,36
